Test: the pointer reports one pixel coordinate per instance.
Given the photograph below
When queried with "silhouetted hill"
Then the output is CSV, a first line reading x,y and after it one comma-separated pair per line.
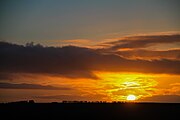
x,y
91,111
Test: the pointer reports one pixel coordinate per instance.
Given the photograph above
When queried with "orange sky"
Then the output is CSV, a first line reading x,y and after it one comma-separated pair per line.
x,y
109,87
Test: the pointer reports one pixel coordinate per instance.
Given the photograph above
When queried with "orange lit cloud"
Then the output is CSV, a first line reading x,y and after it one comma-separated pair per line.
x,y
147,47
150,54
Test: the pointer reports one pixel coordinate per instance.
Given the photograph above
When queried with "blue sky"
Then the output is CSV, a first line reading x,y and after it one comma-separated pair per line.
x,y
42,21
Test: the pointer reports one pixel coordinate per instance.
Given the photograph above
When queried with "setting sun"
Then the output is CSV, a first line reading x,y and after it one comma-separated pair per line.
x,y
131,97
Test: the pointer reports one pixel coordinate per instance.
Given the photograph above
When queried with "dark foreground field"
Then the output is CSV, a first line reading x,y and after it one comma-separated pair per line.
x,y
91,111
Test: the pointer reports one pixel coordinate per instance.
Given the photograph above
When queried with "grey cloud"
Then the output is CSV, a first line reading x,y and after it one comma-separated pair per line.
x,y
163,98
73,97
142,41
149,55
74,62
30,86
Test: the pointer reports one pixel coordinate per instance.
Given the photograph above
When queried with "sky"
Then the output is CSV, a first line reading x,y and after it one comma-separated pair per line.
x,y
54,50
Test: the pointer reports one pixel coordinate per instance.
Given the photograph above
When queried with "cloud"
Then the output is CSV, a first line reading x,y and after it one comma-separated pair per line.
x,y
150,55
63,97
70,97
65,61
74,42
30,86
81,41
163,98
74,62
143,41
6,76
175,84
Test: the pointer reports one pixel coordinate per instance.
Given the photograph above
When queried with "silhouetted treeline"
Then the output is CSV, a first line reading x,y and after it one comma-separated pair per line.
x,y
75,101
90,111
64,101
21,102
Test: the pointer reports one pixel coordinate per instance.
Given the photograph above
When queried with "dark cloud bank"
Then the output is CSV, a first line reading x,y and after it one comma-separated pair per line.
x,y
30,86
163,99
79,62
73,97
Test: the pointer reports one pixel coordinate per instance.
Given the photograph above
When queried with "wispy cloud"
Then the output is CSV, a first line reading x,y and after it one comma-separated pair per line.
x,y
150,54
144,41
146,47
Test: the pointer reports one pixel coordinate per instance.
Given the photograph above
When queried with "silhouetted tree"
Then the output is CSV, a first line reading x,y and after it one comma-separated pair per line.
x,y
31,101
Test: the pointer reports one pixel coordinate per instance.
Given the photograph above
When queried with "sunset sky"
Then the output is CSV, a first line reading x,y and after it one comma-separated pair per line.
x,y
90,50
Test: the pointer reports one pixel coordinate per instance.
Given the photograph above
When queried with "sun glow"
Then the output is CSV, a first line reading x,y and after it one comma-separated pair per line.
x,y
131,97
119,85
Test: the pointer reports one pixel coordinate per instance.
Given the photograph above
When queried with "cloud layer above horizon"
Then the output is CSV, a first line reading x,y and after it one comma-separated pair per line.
x,y
143,54
80,62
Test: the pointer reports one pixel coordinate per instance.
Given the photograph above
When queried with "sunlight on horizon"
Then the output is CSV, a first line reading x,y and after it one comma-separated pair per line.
x,y
120,85
131,97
